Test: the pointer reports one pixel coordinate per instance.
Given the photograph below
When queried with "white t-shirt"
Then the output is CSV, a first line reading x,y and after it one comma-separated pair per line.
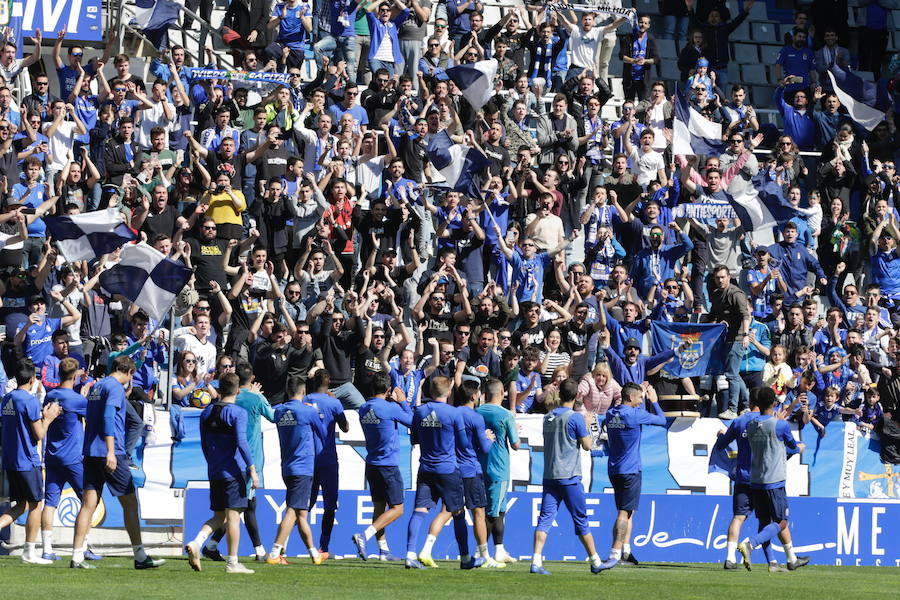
x,y
60,144
657,123
584,46
205,352
548,233
645,165
385,50
10,73
153,117
368,176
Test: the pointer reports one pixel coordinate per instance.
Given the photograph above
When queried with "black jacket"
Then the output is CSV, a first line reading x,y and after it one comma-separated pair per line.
x,y
117,166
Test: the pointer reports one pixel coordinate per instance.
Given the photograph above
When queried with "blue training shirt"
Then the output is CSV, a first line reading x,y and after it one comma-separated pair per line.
x,y
331,413
379,418
479,444
298,426
623,425
18,410
105,417
225,443
64,442
438,428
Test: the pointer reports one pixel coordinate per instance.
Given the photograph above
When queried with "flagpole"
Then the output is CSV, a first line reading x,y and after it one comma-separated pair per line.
x,y
171,358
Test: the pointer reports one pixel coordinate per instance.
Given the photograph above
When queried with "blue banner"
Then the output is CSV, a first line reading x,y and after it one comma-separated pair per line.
x,y
667,528
83,19
699,347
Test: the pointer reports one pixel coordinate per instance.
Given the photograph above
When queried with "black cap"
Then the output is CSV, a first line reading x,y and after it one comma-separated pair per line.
x,y
37,299
632,343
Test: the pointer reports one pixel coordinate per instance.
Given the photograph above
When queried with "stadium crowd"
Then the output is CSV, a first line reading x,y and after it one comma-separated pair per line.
x,y
323,239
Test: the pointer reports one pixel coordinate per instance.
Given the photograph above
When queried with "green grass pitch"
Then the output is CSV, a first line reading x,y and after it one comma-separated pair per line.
x,y
115,578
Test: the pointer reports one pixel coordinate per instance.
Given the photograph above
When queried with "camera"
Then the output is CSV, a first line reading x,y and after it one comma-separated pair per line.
x,y
219,189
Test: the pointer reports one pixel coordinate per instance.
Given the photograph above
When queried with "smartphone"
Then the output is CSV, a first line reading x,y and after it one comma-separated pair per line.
x,y
2,329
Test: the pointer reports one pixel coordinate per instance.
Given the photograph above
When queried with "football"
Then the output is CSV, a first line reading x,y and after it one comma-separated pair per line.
x,y
200,399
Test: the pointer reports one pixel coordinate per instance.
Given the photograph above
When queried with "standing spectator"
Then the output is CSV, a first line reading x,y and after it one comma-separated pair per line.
x,y
293,18
459,14
412,35
873,37
795,67
675,20
638,53
384,51
716,29
730,305
829,14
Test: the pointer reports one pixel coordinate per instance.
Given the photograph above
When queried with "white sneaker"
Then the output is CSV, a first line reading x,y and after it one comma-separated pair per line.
x,y
728,415
490,563
505,558
238,568
35,560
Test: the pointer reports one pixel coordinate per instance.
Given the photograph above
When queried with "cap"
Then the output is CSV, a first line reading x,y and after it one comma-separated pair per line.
x,y
761,250
632,343
702,62
37,299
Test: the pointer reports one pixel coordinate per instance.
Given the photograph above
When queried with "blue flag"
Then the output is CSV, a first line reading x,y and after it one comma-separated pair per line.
x,y
762,204
704,354
692,133
457,163
865,101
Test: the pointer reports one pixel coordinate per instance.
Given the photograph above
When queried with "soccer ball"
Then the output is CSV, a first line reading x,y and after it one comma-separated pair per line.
x,y
200,399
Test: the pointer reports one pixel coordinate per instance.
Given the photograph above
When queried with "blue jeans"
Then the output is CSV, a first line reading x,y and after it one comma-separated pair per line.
x,y
733,376
348,395
722,82
176,422
338,48
674,28
376,64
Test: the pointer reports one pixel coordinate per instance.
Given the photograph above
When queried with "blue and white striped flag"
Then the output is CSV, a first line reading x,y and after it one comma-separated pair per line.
x,y
762,204
89,235
457,163
475,81
154,17
865,101
692,133
147,277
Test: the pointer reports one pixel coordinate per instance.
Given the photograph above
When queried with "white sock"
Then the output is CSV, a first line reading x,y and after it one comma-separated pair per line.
x,y
537,560
30,550
47,540
499,550
78,554
369,533
482,551
313,553
201,539
429,544
383,546
615,553
231,560
211,543
731,548
789,552
626,550
139,553
595,559
276,551
410,555
260,550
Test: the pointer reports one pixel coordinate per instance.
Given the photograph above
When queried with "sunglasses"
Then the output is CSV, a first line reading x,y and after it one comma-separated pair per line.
x,y
227,366
505,337
118,89
201,308
303,331
210,227
656,235
434,45
190,360
735,141
293,292
293,74
78,54
41,83
439,26
376,337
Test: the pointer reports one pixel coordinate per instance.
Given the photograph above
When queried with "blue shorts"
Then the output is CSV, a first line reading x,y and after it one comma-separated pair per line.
x,y
325,478
572,495
26,486
385,484
96,476
496,496
627,490
742,500
476,497
299,488
57,477
227,493
771,505
446,487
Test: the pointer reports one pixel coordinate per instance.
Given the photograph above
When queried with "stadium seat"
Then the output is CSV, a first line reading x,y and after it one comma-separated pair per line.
x,y
670,70
758,12
618,92
755,74
866,75
764,32
851,16
647,7
746,54
742,33
667,49
769,54
896,14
